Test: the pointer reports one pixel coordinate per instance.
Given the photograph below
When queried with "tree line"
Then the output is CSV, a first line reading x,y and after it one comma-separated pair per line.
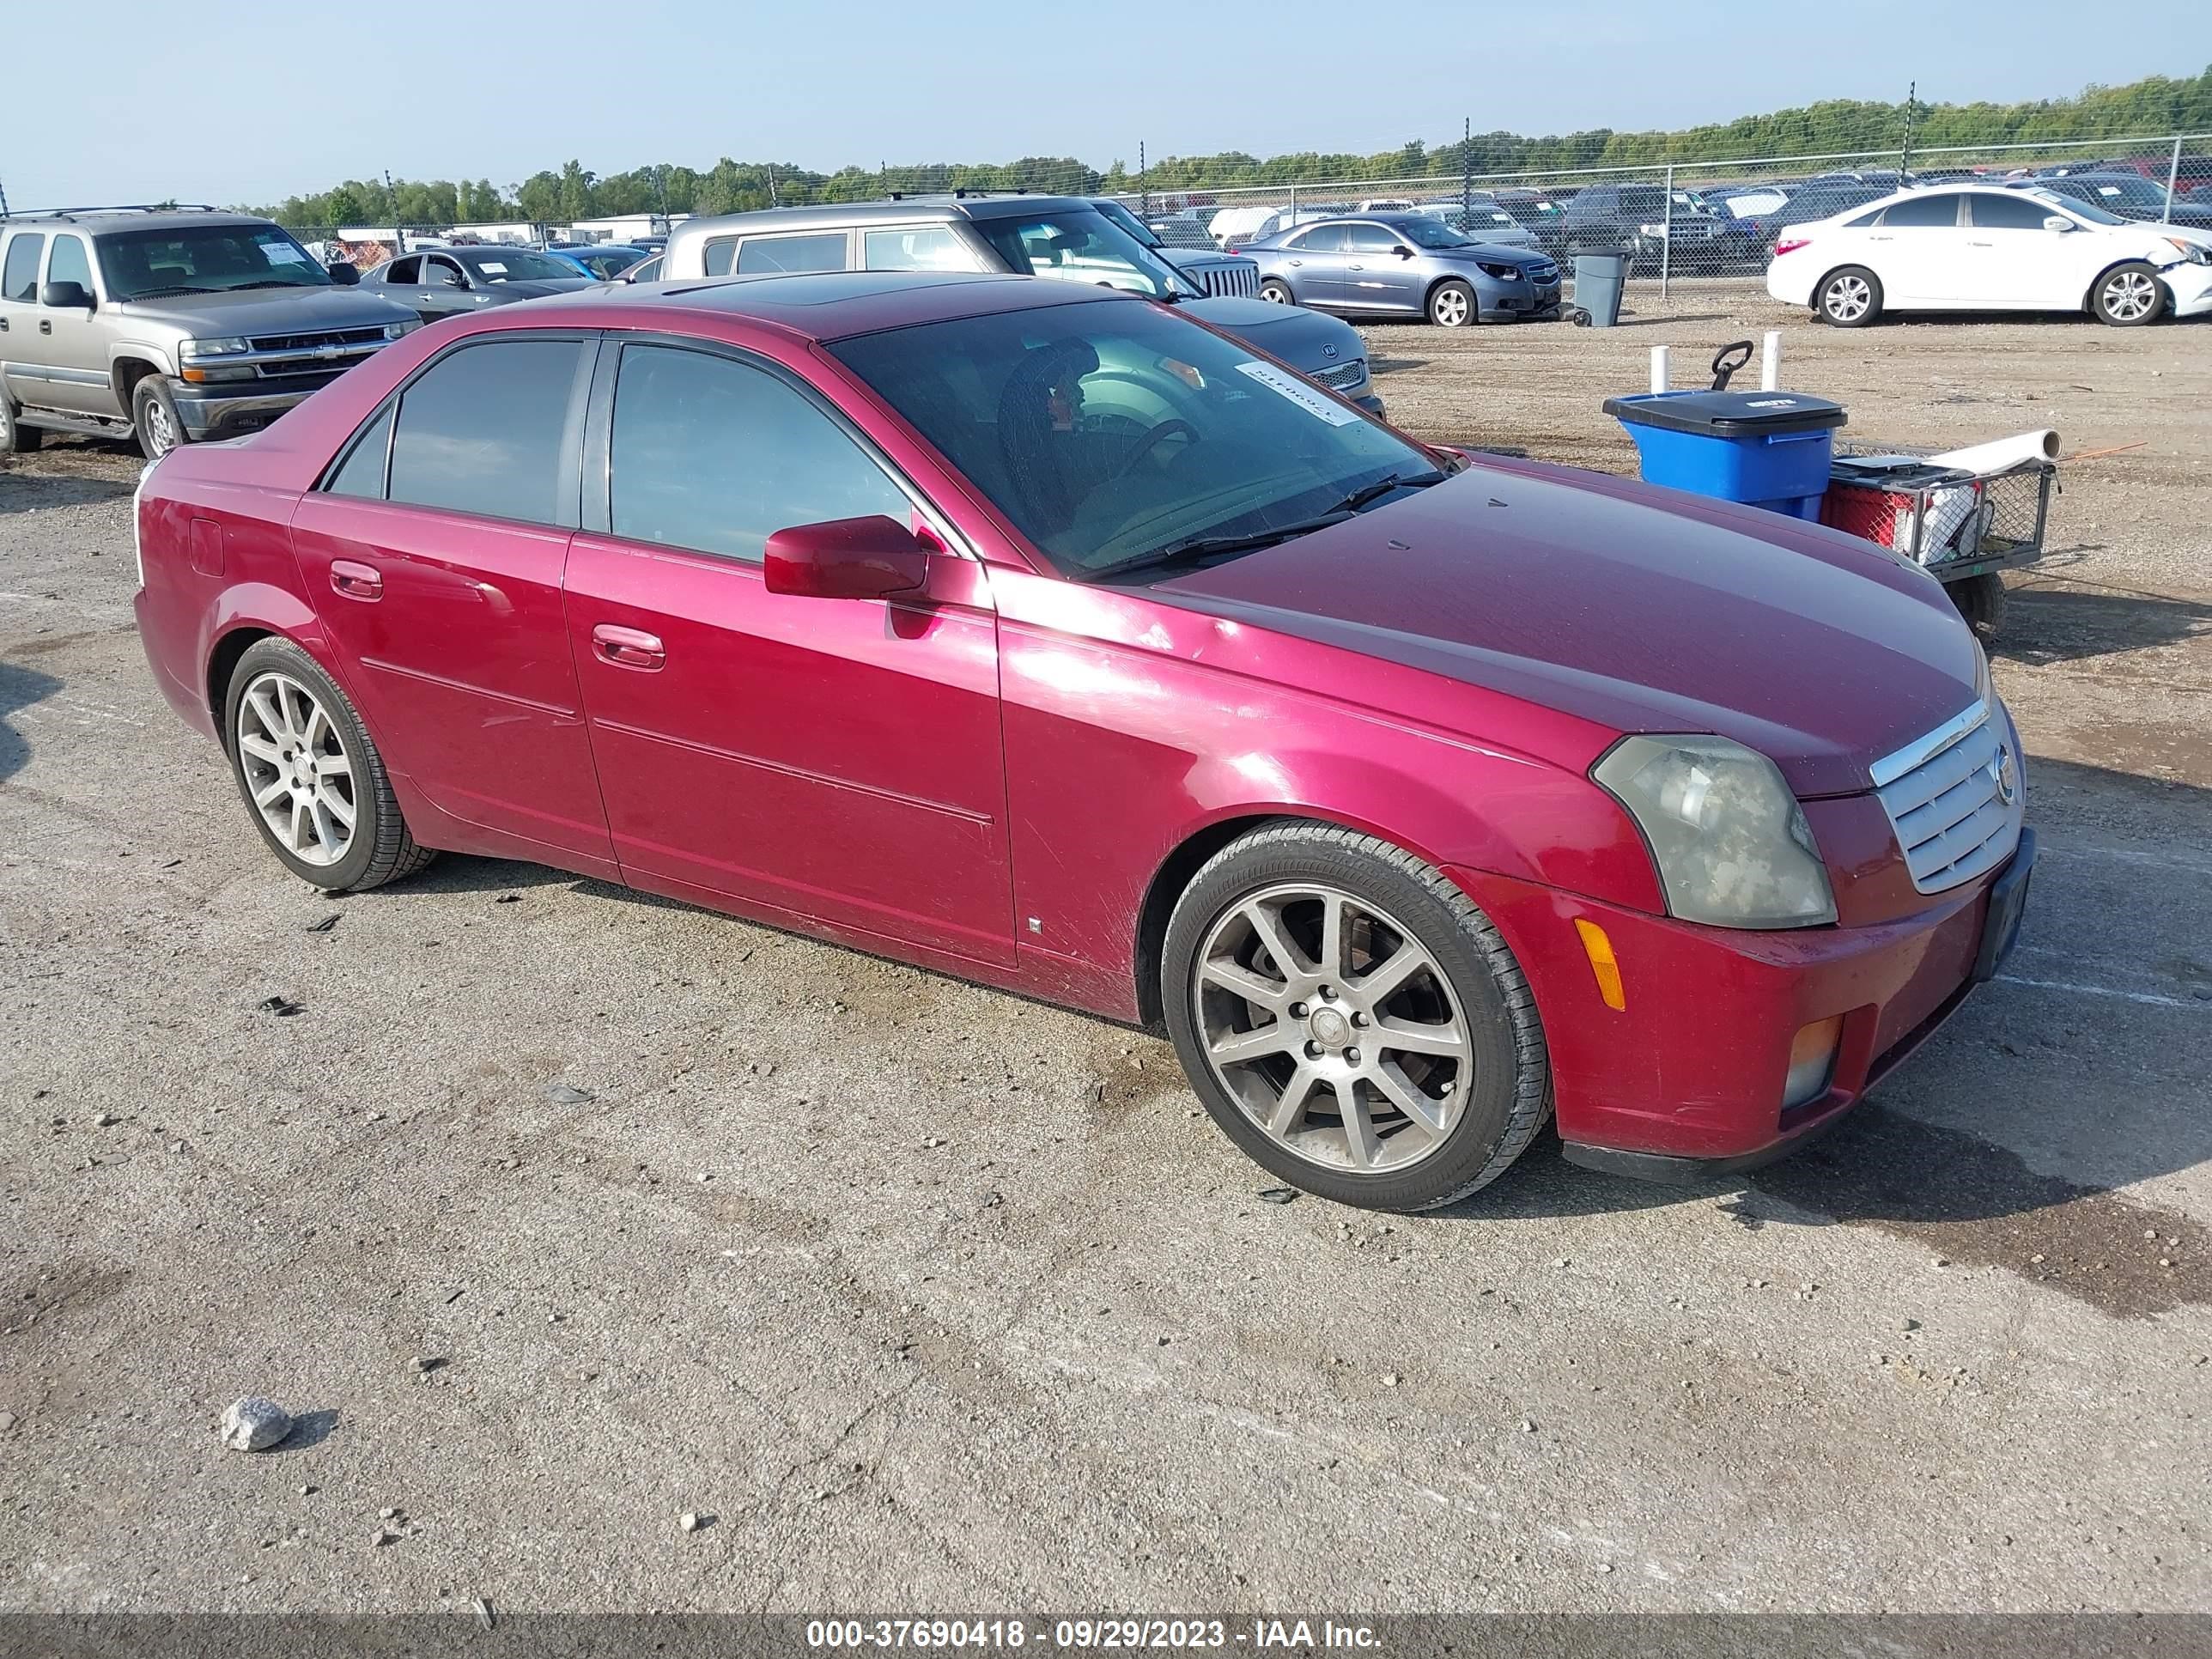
x,y
2154,105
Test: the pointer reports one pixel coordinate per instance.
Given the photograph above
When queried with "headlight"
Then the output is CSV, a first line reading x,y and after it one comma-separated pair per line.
x,y
221,347
2195,252
1503,273
400,331
1731,842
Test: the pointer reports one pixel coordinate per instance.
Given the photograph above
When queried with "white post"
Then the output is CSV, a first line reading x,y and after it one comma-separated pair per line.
x,y
1658,368
1769,363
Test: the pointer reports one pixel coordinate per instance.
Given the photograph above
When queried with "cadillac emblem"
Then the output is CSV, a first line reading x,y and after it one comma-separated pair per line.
x,y
2007,773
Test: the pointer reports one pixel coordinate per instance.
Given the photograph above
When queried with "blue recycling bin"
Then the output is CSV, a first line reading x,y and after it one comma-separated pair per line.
x,y
1768,449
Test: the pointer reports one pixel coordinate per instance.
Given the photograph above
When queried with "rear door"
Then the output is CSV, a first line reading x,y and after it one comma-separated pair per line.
x,y
1378,274
1918,249
76,347
22,352
1313,263
433,552
833,759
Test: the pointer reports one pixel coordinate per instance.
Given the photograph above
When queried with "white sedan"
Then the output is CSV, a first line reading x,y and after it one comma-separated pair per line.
x,y
1976,248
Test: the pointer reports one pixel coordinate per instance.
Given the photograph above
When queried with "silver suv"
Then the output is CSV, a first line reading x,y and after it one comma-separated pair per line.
x,y
169,325
1064,238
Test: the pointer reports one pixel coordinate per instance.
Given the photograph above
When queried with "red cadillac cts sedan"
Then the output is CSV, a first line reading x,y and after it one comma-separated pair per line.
x,y
1036,634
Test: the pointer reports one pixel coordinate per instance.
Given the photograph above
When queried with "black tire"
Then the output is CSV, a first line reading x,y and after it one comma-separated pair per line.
x,y
154,419
380,848
2130,296
1452,303
1509,1097
1981,600
1276,291
16,438
1849,297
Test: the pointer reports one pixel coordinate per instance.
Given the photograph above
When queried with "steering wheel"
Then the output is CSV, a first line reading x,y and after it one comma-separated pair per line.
x,y
1150,441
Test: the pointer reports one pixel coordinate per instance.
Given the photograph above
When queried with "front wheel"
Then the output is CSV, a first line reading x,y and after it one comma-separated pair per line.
x,y
1351,1020
2129,295
311,776
1452,305
154,417
1849,298
1277,292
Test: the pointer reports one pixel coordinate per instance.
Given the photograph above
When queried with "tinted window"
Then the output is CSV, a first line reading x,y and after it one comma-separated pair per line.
x,y
2008,212
363,472
205,259
717,456
19,279
918,247
1943,210
444,273
1644,198
1322,239
825,252
1371,239
68,262
721,256
485,431
408,270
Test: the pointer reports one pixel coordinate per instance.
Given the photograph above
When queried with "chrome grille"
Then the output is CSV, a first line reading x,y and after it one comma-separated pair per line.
x,y
1345,376
1945,795
351,337
1239,279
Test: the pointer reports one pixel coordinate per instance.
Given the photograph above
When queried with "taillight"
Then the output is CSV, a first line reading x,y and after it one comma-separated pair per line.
x,y
1790,245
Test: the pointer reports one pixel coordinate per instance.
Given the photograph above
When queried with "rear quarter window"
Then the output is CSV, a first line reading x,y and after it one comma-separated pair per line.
x,y
19,274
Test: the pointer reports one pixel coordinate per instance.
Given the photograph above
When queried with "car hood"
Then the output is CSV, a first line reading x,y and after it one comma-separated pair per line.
x,y
269,311
1638,609
1307,340
540,288
1194,258
1510,253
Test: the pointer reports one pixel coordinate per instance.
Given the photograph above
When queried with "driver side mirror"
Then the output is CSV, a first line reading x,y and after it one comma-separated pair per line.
x,y
872,558
65,296
1402,251
2058,222
343,272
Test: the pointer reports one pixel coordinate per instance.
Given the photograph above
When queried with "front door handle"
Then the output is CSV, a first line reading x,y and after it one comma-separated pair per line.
x,y
629,648
357,580
46,326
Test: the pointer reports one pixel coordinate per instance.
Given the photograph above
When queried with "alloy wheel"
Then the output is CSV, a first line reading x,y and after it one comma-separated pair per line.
x,y
1451,307
1848,298
160,431
2131,296
1332,1028
297,770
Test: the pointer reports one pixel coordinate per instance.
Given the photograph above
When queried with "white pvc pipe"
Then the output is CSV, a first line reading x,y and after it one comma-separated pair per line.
x,y
1658,368
1769,363
2001,451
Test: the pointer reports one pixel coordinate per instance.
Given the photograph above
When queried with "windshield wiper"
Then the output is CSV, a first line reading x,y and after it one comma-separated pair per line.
x,y
160,293
1200,548
1381,487
267,281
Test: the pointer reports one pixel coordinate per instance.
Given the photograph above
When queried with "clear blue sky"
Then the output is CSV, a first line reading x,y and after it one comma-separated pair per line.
x,y
254,99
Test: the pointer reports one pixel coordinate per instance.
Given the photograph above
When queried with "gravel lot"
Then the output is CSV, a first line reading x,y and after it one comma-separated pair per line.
x,y
848,1260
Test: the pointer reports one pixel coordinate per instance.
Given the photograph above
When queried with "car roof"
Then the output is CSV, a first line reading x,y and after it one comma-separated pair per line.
x,y
896,210
821,305
98,220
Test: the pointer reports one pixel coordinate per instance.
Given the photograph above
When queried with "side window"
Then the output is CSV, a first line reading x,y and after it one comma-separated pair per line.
x,y
1369,238
68,262
1861,221
1322,239
19,277
2008,212
444,273
408,270
721,256
717,456
487,430
918,247
363,472
1923,210
762,254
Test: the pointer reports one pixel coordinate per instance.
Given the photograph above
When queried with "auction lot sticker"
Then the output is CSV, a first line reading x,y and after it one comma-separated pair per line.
x,y
1299,393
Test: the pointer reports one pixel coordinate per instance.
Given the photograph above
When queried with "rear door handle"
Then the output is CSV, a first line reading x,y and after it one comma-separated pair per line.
x,y
355,581
629,648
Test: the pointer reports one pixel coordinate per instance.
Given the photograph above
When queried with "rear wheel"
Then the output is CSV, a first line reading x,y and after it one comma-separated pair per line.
x,y
16,438
1276,291
1351,1020
1981,600
1451,304
310,775
1849,298
2129,295
154,417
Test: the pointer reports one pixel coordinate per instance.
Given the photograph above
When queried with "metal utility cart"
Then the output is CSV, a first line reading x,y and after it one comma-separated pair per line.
x,y
1961,524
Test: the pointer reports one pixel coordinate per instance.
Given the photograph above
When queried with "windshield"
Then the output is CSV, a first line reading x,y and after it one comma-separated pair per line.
x,y
1432,233
204,259
2128,189
514,264
605,261
1116,213
2079,209
1110,433
1081,245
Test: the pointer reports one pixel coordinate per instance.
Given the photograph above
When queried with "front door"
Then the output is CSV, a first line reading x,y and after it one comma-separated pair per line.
x,y
2020,263
832,759
433,554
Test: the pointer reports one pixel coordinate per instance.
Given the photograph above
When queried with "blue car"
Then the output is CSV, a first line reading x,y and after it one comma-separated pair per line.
x,y
602,261
1404,264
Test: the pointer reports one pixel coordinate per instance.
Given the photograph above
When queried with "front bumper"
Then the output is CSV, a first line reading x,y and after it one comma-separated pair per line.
x,y
220,411
1686,1079
1514,302
2191,285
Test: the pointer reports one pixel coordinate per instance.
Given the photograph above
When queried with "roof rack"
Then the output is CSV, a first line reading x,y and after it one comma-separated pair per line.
x,y
118,207
961,193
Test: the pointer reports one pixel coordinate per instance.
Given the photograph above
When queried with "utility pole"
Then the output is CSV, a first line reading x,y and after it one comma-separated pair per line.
x,y
1905,153
772,201
4,200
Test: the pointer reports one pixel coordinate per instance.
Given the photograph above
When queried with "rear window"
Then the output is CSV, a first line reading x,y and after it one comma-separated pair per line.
x,y
487,430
